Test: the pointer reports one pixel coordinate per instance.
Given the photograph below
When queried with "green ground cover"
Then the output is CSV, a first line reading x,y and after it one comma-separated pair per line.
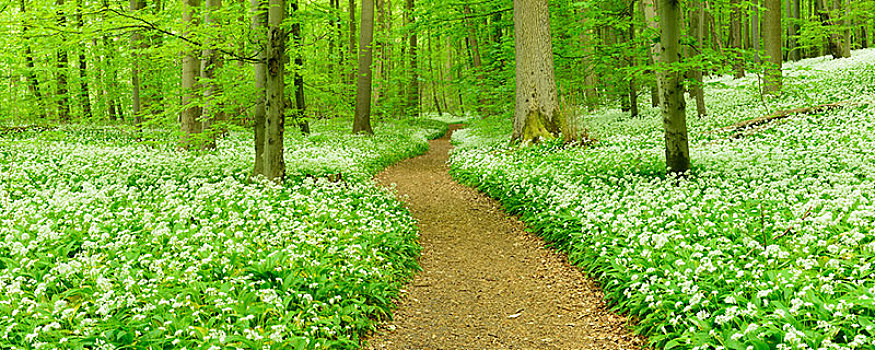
x,y
768,244
108,242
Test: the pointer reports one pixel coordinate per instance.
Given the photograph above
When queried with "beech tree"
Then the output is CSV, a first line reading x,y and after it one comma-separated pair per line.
x,y
674,118
362,122
772,30
537,114
274,161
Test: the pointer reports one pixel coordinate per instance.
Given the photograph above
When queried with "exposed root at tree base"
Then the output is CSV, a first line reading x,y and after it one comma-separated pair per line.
x,y
486,283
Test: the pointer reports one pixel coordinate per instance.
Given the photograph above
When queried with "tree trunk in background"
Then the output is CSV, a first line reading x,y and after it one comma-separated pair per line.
x,y
772,33
674,118
435,79
381,38
841,11
590,94
736,40
300,104
537,115
259,21
61,74
864,37
697,29
211,61
362,122
827,19
477,63
633,88
84,91
274,163
413,89
793,14
136,44
190,124
351,73
648,7
33,81
755,31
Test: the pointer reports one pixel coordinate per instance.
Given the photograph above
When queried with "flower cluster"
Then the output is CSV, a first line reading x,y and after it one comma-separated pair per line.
x,y
767,244
109,243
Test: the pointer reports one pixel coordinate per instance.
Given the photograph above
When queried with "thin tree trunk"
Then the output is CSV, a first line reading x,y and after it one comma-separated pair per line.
x,y
435,81
84,92
677,152
648,7
190,125
537,115
362,122
793,29
755,31
735,38
274,163
633,88
259,22
772,33
842,8
62,64
589,79
412,90
351,73
33,81
211,60
300,105
136,45
697,28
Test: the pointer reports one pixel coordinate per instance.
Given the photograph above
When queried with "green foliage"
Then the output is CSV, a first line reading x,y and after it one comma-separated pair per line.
x,y
113,242
768,244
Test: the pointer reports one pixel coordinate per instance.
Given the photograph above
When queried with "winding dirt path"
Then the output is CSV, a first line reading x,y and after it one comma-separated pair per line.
x,y
486,283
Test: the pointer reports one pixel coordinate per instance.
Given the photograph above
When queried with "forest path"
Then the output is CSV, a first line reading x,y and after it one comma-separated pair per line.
x,y
486,283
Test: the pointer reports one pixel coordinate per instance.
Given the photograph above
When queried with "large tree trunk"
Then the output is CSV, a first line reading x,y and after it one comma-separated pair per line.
x,y
735,39
61,74
834,44
772,33
300,105
413,89
674,118
362,122
190,124
84,91
136,45
537,115
274,163
259,22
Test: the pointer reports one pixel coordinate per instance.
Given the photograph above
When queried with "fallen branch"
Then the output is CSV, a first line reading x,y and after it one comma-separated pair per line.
x,y
737,127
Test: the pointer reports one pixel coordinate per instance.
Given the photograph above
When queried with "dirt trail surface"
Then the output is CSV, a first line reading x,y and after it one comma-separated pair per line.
x,y
486,283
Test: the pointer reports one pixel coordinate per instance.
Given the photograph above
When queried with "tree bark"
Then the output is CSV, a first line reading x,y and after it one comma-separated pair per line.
x,y
351,74
33,81
413,89
274,162
537,115
772,33
697,28
300,104
190,124
61,74
793,11
755,31
362,121
84,91
259,22
674,119
736,39
136,56
210,61
843,9
648,7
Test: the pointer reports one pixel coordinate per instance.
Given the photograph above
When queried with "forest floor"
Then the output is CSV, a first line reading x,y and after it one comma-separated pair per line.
x,y
486,282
